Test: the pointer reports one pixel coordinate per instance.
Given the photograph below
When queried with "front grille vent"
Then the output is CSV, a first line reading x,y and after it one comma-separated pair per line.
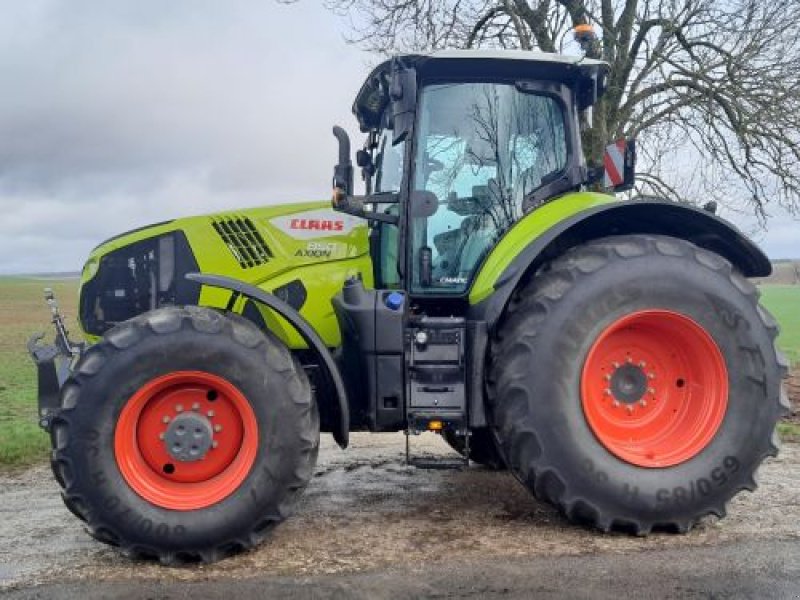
x,y
243,240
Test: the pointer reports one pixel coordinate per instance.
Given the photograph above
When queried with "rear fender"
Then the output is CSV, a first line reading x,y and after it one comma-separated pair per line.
x,y
304,329
606,219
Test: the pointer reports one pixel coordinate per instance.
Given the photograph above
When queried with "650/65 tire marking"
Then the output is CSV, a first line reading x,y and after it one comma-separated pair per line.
x,y
703,486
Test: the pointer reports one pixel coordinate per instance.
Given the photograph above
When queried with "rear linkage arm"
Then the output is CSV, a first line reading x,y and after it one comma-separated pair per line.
x,y
53,362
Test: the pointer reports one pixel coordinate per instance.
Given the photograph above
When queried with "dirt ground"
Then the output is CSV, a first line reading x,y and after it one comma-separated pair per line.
x,y
365,511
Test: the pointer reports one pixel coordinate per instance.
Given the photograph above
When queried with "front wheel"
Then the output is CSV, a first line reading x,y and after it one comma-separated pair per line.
x,y
185,435
639,384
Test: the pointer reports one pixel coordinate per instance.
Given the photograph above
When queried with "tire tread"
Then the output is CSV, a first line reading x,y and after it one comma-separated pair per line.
x,y
165,321
516,336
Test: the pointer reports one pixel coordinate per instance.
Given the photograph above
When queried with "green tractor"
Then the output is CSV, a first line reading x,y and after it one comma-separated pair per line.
x,y
611,354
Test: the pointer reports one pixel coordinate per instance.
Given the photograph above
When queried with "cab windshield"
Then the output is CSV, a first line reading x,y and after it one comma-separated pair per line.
x,y
482,148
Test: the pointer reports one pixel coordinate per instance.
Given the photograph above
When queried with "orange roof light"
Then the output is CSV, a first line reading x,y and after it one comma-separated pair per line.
x,y
584,33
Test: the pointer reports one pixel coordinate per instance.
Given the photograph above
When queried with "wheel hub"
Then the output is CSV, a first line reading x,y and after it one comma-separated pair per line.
x,y
189,437
654,388
628,384
186,440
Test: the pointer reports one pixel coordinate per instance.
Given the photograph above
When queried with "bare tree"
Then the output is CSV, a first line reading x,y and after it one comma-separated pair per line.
x,y
710,88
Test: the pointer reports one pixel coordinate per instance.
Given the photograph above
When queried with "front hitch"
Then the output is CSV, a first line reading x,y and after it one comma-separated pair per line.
x,y
53,363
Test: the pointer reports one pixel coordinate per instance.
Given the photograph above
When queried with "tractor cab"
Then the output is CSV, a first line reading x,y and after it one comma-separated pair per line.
x,y
460,145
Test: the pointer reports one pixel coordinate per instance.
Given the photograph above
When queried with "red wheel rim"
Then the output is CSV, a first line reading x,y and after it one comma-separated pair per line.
x,y
143,431
654,388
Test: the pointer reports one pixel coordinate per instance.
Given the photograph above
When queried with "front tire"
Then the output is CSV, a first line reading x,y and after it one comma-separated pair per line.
x,y
185,435
634,383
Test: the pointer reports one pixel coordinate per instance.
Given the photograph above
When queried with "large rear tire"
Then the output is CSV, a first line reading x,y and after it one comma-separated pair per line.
x,y
634,383
185,435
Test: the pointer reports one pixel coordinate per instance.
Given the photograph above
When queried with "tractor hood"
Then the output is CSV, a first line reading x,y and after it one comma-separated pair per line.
x,y
145,268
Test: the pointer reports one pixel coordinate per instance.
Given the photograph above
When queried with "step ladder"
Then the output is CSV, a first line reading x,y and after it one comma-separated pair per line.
x,y
436,384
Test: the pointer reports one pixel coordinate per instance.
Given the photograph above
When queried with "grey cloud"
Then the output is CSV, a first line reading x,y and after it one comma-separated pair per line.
x,y
105,106
116,114
103,97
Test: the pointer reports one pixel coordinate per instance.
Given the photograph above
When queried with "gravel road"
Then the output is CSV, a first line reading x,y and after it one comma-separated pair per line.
x,y
367,515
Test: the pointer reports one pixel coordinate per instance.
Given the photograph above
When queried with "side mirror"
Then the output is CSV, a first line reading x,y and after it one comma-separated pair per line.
x,y
403,97
619,163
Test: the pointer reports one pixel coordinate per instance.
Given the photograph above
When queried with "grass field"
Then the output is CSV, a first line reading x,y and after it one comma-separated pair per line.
x,y
23,312
783,301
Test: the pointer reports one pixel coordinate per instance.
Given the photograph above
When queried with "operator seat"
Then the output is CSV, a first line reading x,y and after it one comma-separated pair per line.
x,y
478,230
478,239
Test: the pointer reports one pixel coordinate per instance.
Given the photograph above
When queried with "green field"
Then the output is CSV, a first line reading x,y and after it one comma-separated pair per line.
x,y
783,301
23,311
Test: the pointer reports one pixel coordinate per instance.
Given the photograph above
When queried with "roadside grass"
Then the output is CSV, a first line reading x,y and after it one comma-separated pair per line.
x,y
789,432
23,312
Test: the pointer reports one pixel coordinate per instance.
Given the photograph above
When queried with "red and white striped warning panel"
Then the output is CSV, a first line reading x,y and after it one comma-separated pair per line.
x,y
614,163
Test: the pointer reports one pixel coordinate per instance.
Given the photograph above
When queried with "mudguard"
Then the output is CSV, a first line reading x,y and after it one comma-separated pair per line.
x,y
239,288
615,218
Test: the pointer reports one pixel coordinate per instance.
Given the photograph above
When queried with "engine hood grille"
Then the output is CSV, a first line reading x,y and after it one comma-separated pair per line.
x,y
243,240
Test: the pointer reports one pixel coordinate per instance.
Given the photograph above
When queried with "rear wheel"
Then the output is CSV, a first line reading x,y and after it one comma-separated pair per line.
x,y
639,384
185,435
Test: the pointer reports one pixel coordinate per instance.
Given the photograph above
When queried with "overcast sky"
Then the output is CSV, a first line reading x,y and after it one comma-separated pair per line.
x,y
117,114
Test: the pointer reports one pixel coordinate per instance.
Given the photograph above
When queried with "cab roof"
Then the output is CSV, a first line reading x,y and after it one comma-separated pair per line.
x,y
372,97
497,54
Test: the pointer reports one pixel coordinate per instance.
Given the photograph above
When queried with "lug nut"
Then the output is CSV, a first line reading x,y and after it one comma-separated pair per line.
x,y
165,419
616,365
616,403
161,435
196,406
643,402
651,375
217,427
179,408
210,413
651,391
642,364
214,444
607,391
629,360
629,408
608,377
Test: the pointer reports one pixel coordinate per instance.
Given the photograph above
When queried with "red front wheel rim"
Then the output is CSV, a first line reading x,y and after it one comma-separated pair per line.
x,y
654,388
186,440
